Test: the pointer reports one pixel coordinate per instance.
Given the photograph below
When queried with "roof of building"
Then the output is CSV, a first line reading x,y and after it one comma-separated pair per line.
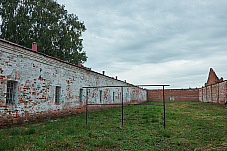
x,y
213,78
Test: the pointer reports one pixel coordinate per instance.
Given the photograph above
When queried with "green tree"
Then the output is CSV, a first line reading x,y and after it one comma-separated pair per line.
x,y
45,22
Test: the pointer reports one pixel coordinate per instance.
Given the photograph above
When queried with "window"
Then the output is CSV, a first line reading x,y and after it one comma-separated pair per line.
x,y
171,98
11,94
113,96
57,95
81,95
101,96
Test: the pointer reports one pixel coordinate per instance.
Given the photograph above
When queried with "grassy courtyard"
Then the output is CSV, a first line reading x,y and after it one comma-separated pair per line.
x,y
189,126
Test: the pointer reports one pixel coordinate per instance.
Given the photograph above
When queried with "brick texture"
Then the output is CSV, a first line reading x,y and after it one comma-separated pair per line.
x,y
215,93
214,90
175,95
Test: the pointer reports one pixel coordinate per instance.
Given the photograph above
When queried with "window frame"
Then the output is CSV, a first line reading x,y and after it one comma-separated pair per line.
x,y
11,92
57,94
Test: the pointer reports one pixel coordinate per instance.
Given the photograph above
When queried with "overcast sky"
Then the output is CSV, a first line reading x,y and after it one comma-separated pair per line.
x,y
155,41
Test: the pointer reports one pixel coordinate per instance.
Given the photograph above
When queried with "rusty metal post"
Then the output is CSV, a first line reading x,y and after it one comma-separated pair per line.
x,y
86,103
122,106
164,106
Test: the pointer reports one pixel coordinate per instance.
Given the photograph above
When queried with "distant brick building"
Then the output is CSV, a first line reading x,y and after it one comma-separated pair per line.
x,y
214,90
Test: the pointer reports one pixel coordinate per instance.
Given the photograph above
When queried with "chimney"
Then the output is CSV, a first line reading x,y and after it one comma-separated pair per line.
x,y
34,46
79,64
116,77
103,72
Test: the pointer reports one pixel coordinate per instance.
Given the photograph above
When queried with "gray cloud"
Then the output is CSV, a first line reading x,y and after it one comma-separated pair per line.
x,y
125,36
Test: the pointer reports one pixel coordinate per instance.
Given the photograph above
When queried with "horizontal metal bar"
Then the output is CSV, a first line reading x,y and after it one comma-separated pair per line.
x,y
104,87
154,85
127,104
147,104
124,86
104,104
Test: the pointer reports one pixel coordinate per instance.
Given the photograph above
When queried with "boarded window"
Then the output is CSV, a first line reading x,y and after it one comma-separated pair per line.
x,y
100,96
11,94
81,95
58,95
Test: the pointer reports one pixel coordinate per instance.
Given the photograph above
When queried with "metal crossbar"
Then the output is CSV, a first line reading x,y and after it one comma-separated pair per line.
x,y
148,104
104,104
122,102
112,86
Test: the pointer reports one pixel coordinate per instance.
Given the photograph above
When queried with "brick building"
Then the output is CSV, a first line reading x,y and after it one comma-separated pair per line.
x,y
34,86
214,90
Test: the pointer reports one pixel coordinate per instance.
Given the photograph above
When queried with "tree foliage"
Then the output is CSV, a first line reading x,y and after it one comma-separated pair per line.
x,y
45,22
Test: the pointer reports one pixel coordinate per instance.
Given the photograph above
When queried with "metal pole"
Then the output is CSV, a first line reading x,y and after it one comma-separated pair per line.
x,y
164,106
122,106
86,103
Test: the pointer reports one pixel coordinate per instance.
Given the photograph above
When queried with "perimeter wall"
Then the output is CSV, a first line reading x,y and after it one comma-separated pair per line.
x,y
175,95
214,93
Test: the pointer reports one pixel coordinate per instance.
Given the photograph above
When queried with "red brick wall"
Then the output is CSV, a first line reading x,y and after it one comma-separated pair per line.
x,y
176,95
216,93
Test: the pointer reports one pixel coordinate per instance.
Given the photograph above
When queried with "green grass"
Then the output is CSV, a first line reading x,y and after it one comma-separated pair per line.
x,y
189,126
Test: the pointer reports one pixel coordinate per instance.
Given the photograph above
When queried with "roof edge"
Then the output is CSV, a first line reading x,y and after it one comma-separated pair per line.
x,y
45,55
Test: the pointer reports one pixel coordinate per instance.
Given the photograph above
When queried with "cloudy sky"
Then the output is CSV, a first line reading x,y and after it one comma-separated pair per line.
x,y
155,41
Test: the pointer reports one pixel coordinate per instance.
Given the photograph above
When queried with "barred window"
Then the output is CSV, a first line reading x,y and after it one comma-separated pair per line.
x,y
58,95
11,94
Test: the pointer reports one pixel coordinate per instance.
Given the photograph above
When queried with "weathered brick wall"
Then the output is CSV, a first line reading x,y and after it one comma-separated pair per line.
x,y
215,93
38,75
176,95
